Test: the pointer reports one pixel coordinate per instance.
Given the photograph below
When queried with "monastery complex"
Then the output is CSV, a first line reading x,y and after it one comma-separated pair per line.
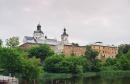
x,y
65,47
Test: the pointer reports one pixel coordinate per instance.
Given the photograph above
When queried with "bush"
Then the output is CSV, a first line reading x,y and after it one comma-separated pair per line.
x,y
16,62
31,69
52,63
60,64
42,52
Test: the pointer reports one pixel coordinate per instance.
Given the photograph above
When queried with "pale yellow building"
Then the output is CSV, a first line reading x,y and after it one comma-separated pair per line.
x,y
105,51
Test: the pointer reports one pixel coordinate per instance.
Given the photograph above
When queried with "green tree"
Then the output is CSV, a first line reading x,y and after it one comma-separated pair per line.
x,y
128,54
42,52
16,62
31,68
75,44
1,42
52,64
75,64
109,65
120,63
110,62
91,55
123,63
60,64
9,60
123,49
123,59
12,42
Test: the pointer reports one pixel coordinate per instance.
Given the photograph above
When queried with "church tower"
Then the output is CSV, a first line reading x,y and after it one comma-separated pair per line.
x,y
38,34
64,37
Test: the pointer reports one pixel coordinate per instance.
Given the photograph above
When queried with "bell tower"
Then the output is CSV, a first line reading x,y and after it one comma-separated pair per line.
x,y
38,34
64,37
38,27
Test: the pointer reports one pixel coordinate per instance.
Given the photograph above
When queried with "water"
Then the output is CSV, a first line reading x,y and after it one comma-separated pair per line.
x,y
88,80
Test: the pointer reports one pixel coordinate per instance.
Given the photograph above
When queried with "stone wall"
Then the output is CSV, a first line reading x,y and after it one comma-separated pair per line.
x,y
74,50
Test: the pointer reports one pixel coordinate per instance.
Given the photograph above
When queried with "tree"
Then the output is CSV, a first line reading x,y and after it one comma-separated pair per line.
x,y
109,65
52,64
91,54
60,64
74,64
31,68
120,63
42,52
75,44
10,60
123,49
1,42
12,42
110,62
16,62
123,63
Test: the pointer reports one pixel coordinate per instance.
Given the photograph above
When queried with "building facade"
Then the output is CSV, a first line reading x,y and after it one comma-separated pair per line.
x,y
105,51
74,50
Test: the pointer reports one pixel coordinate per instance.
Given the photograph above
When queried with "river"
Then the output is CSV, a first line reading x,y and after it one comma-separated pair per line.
x,y
89,80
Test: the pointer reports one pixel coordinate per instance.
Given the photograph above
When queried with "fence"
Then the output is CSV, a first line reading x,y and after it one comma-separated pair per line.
x,y
8,80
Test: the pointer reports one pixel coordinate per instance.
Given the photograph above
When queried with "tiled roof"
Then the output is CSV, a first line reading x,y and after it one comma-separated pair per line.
x,y
40,41
101,44
28,38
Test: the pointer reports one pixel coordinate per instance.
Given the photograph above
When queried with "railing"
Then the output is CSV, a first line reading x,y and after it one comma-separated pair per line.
x,y
8,80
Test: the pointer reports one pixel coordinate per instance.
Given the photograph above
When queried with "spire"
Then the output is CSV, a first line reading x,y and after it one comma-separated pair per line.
x,y
64,29
39,27
45,37
64,37
64,33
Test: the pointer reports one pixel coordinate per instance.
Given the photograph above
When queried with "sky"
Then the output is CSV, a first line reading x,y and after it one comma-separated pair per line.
x,y
86,21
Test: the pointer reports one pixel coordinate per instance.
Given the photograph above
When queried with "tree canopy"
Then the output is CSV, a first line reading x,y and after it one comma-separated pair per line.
x,y
91,55
124,48
60,64
42,52
14,61
12,42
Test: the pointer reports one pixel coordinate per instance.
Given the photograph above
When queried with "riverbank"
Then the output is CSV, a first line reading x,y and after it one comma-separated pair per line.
x,y
88,74
89,78
113,77
45,77
49,76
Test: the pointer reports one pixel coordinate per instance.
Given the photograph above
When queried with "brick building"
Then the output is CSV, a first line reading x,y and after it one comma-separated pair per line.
x,y
74,50
105,51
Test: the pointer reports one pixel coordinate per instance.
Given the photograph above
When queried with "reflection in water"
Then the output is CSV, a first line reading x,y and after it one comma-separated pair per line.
x,y
91,80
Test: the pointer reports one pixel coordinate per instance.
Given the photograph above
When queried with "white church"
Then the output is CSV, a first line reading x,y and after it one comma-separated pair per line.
x,y
40,38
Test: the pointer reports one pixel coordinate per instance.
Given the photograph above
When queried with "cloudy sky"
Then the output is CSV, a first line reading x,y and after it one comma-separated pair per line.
x,y
86,20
